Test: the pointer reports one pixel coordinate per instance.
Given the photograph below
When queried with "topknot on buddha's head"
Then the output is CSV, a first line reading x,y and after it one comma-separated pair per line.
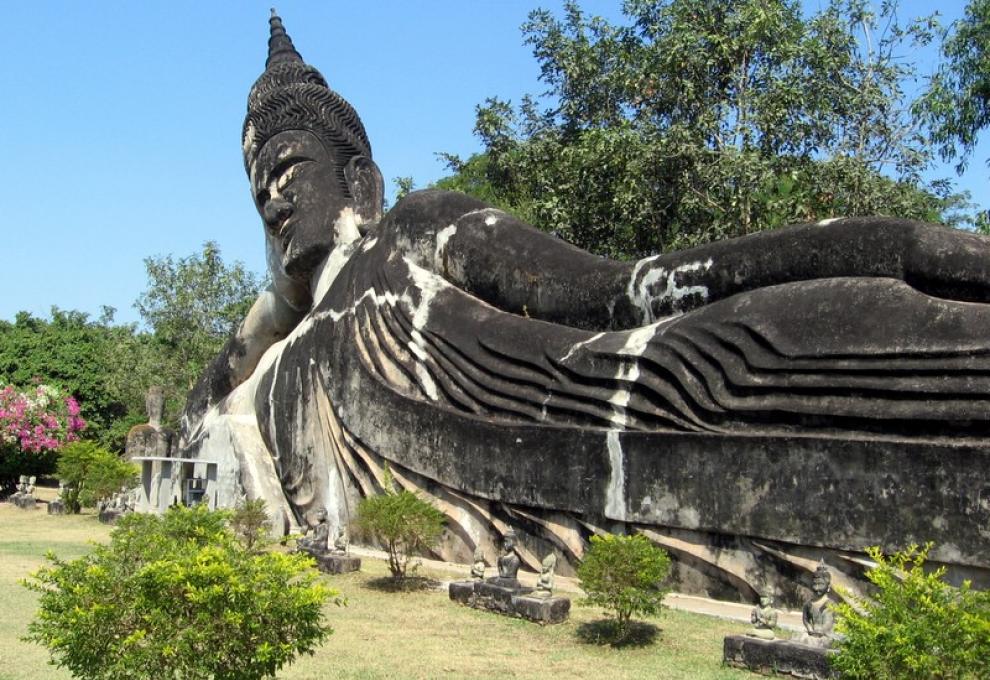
x,y
292,95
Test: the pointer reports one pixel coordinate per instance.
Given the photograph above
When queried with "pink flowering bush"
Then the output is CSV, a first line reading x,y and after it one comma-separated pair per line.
x,y
34,423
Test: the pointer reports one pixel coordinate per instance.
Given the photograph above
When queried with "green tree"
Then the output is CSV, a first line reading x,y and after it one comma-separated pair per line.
x,y
192,304
251,525
957,102
71,351
178,596
916,627
402,522
92,474
624,574
702,120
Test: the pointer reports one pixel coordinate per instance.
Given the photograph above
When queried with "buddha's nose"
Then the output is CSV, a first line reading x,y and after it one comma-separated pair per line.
x,y
277,211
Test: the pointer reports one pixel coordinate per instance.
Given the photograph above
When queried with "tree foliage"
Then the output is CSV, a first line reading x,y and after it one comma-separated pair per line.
x,y
624,574
178,596
402,522
192,304
34,423
92,474
73,352
706,119
958,99
916,627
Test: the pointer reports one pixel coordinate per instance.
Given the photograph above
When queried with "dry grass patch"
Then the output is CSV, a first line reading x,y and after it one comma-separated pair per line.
x,y
385,632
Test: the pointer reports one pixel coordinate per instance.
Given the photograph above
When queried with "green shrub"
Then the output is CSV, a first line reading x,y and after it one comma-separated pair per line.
x,y
916,626
251,525
92,473
623,574
402,522
177,596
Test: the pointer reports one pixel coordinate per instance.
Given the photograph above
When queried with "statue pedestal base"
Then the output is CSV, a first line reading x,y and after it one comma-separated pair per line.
x,y
336,564
777,657
56,508
516,601
24,502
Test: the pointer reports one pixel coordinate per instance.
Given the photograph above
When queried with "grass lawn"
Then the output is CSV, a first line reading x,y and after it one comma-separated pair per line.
x,y
383,634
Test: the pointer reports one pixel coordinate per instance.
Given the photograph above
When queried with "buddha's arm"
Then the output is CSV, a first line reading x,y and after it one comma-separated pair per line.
x,y
517,268
269,320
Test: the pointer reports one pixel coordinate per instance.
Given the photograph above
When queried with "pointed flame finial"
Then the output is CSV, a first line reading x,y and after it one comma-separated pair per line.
x,y
280,47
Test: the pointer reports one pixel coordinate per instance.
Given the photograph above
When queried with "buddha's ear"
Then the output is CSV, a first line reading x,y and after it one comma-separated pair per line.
x,y
366,185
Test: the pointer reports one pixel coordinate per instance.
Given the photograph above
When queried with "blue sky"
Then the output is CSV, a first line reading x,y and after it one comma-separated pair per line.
x,y
120,122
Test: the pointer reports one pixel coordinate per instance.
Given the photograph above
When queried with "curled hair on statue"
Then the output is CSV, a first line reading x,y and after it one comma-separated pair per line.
x,y
291,95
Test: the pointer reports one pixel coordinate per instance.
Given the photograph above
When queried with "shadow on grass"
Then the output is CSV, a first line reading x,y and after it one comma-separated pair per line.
x,y
606,632
410,584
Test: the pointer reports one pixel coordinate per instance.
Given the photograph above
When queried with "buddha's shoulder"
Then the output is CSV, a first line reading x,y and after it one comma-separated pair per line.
x,y
432,209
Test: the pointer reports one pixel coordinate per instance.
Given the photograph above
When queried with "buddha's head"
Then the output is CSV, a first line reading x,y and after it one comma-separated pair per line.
x,y
309,162
821,581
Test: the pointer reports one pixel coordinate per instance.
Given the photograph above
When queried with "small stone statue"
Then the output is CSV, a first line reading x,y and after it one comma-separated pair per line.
x,y
151,439
544,586
57,506
21,488
341,542
319,542
764,618
24,498
478,568
816,614
508,563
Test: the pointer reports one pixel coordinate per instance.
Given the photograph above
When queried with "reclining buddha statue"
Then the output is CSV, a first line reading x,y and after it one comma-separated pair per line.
x,y
752,405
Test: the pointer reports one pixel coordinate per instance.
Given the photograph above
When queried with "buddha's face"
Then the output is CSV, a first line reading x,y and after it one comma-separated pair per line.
x,y
298,198
819,585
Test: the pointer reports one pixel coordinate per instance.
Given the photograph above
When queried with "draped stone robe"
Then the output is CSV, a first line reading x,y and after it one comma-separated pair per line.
x,y
750,405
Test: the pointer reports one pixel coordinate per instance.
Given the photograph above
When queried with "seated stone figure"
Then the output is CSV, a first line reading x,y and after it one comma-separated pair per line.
x,y
508,563
763,618
817,616
317,542
700,398
478,567
544,585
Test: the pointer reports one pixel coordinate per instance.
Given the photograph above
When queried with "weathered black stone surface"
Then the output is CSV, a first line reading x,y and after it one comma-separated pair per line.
x,y
777,657
542,609
510,601
56,507
337,564
751,405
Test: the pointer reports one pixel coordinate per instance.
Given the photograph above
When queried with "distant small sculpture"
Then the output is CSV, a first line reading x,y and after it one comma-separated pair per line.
x,y
319,542
57,506
341,542
151,439
544,586
478,568
508,562
24,497
819,622
763,618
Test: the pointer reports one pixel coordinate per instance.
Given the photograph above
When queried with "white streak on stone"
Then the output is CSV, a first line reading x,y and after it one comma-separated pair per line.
x,y
828,221
330,269
639,288
442,237
369,244
615,492
345,227
491,221
579,345
426,380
